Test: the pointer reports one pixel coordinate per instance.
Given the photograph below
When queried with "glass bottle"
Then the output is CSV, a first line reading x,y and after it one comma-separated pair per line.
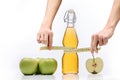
x,y
70,39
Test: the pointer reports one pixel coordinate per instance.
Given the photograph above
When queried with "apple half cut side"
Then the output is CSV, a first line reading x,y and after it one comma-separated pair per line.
x,y
94,66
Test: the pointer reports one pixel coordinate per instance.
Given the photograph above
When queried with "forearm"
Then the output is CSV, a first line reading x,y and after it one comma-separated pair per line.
x,y
114,15
51,10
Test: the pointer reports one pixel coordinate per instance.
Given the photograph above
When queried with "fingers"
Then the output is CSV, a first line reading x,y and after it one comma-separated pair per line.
x,y
42,38
105,40
94,43
100,40
38,38
45,38
96,40
50,40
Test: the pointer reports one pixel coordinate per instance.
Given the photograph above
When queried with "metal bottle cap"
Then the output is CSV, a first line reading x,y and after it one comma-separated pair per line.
x,y
70,16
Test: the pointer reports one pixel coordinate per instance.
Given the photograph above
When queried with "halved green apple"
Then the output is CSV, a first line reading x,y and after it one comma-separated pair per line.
x,y
95,65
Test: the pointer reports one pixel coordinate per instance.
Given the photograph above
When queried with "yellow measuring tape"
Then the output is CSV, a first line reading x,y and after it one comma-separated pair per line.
x,y
66,49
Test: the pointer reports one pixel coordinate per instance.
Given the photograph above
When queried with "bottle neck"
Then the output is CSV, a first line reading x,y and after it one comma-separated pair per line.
x,y
70,24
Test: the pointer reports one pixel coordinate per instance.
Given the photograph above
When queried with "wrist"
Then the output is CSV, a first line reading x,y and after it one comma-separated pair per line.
x,y
110,27
46,25
112,23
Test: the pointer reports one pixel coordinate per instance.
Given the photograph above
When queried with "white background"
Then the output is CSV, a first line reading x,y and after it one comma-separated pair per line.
x,y
21,19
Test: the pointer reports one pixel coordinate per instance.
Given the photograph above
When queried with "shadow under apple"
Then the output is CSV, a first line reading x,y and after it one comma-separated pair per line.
x,y
38,77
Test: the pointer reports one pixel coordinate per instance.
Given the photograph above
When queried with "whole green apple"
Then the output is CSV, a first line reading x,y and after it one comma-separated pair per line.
x,y
28,66
47,66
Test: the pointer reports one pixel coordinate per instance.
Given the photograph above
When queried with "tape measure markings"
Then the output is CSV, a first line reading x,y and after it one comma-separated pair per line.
x,y
66,49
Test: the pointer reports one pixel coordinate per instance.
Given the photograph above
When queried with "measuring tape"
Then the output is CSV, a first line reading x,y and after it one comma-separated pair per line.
x,y
66,49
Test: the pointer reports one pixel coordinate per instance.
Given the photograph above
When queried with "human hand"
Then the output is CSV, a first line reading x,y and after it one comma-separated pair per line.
x,y
45,36
101,38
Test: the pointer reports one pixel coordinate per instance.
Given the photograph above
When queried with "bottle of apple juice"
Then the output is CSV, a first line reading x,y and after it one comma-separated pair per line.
x,y
70,60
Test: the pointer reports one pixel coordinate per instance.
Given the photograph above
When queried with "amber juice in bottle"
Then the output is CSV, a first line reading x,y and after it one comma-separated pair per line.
x,y
70,39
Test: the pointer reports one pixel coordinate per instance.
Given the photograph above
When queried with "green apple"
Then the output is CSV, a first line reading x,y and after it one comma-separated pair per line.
x,y
38,71
47,66
28,66
94,66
